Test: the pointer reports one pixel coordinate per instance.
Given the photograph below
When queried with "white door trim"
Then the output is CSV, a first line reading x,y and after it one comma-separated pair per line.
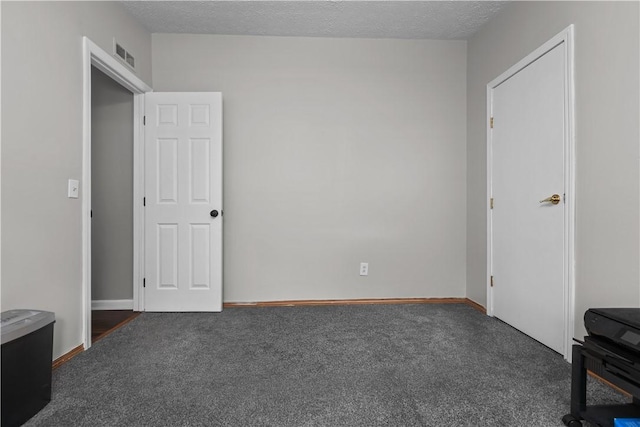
x,y
566,36
96,56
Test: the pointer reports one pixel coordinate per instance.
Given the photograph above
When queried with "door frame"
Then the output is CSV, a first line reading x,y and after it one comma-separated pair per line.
x,y
566,36
93,55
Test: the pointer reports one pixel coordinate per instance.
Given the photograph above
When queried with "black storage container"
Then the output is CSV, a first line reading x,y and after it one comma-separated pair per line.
x,y
27,346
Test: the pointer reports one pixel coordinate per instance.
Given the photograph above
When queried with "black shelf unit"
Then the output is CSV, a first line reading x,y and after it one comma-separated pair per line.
x,y
606,368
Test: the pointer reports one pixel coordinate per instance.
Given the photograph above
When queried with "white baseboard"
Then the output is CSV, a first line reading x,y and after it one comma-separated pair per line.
x,y
112,304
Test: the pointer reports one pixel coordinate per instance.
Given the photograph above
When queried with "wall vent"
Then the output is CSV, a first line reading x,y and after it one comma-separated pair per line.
x,y
122,53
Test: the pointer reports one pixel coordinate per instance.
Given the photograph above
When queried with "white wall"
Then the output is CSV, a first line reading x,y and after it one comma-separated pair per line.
x,y
111,189
336,151
42,149
607,138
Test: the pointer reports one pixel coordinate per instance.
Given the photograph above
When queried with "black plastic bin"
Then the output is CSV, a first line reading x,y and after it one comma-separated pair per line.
x,y
27,346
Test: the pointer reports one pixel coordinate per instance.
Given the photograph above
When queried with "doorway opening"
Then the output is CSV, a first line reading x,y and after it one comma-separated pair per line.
x,y
111,204
97,59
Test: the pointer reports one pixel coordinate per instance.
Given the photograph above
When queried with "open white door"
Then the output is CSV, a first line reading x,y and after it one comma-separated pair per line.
x,y
183,201
529,184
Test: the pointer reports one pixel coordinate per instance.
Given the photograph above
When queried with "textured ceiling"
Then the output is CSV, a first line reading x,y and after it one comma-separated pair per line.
x,y
365,19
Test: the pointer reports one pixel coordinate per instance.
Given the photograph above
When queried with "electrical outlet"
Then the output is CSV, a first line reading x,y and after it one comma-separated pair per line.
x,y
364,268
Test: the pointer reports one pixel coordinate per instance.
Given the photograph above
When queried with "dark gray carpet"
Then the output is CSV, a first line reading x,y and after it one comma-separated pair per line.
x,y
377,365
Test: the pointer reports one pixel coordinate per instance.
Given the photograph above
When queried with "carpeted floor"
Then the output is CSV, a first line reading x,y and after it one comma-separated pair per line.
x,y
375,365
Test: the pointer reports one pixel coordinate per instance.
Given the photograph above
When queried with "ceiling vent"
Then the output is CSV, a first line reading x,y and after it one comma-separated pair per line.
x,y
122,53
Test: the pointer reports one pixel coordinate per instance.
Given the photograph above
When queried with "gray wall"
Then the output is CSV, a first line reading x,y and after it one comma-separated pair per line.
x,y
111,189
336,151
42,149
607,138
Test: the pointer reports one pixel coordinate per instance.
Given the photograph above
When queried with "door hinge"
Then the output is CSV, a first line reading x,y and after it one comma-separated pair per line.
x,y
144,201
492,281
144,121
91,213
491,122
491,203
144,283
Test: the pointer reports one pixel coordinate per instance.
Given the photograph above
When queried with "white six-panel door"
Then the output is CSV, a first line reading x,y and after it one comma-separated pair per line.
x,y
183,201
528,161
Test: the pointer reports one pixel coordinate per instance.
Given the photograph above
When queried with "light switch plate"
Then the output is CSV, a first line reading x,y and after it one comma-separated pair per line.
x,y
74,189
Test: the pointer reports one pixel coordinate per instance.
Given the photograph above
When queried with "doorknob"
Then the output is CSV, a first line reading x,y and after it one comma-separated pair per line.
x,y
214,213
555,199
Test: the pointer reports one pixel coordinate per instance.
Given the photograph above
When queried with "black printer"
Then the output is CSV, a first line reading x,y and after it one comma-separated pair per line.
x,y
620,326
613,342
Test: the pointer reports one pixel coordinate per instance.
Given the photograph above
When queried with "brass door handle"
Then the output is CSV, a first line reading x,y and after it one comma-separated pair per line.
x,y
555,199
